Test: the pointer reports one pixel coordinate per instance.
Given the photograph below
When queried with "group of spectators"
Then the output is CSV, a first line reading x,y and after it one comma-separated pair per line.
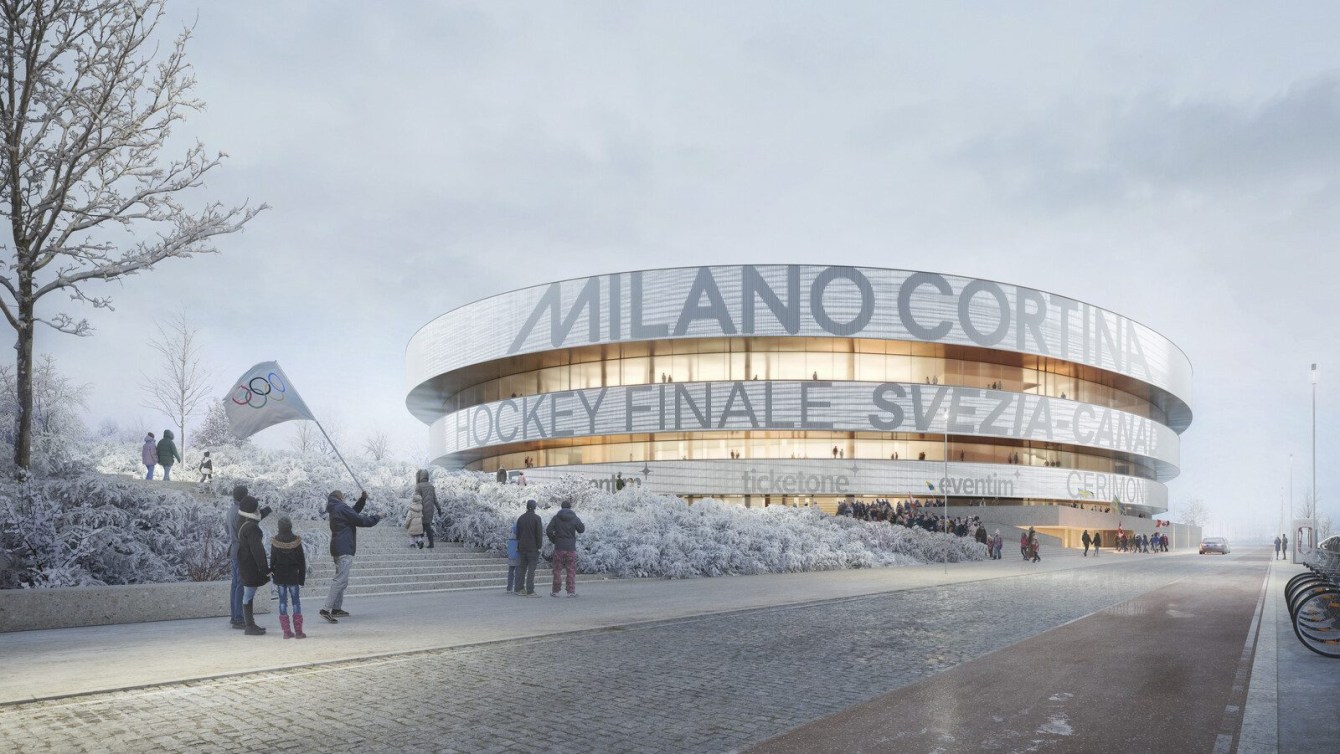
x,y
526,541
912,514
1127,542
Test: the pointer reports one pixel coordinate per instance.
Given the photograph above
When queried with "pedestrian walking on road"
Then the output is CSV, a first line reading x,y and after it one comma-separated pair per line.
x,y
428,495
167,454
529,540
1034,546
1284,546
344,523
1097,542
997,544
251,561
234,521
288,563
1023,544
513,559
563,530
149,455
1277,548
1087,540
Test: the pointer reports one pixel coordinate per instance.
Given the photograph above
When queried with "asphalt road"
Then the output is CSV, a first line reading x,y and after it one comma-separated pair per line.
x,y
1163,672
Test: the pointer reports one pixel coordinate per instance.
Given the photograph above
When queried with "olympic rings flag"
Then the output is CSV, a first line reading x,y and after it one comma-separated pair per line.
x,y
263,397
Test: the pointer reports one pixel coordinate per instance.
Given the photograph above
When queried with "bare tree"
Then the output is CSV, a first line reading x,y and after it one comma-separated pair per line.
x,y
1193,513
378,446
86,106
306,439
333,436
182,384
1308,508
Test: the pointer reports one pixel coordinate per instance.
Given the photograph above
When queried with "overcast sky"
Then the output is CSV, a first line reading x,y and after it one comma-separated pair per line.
x,y
1174,162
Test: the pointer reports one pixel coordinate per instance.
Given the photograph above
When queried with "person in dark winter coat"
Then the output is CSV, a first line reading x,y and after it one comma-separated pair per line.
x,y
529,540
1097,542
167,454
149,455
344,523
288,564
1087,540
251,560
563,530
429,498
235,595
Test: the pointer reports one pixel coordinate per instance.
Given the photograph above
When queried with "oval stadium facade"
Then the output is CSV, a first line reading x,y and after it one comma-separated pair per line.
x,y
805,384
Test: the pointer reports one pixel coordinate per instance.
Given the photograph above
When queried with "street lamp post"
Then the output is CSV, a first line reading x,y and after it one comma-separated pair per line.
x,y
1314,437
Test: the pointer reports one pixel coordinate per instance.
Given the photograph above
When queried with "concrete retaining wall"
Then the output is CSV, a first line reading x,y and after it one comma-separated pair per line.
x,y
30,609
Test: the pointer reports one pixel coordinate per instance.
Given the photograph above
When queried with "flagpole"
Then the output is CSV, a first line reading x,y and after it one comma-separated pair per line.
x,y
337,455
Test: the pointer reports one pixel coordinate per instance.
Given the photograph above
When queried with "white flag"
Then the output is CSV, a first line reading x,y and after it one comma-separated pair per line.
x,y
263,397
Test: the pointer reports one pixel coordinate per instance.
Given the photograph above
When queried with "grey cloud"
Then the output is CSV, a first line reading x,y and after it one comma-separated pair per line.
x,y
1151,144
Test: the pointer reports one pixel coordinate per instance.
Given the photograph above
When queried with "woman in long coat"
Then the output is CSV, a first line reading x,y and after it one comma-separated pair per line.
x,y
428,495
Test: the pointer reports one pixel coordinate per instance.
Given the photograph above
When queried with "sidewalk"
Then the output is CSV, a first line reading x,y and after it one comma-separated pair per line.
x,y
62,662
1291,697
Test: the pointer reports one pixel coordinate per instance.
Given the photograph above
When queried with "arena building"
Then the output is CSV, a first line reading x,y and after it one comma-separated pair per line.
x,y
801,384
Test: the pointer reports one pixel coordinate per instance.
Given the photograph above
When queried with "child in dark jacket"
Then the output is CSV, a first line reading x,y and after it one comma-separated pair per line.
x,y
288,563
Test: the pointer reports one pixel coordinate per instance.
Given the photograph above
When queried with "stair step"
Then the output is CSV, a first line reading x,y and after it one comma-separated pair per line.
x,y
413,586
328,569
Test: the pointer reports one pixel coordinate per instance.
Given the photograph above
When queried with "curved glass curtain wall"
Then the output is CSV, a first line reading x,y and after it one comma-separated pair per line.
x,y
750,445
831,359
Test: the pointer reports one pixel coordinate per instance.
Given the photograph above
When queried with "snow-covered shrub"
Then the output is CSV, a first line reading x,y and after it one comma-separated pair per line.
x,y
90,529
85,528
638,533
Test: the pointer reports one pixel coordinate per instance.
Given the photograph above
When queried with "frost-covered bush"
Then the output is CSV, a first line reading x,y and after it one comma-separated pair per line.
x,y
293,484
90,529
637,533
85,528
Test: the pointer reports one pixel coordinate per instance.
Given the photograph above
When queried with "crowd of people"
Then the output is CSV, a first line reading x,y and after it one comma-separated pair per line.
x,y
1127,542
913,513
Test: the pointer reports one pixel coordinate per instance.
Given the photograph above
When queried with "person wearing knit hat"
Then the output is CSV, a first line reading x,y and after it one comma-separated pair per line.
x,y
529,540
251,561
288,563
235,593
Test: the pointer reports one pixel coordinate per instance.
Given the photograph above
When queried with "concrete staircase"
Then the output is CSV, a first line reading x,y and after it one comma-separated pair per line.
x,y
386,564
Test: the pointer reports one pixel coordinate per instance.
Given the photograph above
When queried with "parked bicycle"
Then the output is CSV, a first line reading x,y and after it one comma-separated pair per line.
x,y
1313,598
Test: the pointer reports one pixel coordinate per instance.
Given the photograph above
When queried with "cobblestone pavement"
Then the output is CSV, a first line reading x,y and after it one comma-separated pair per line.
x,y
715,683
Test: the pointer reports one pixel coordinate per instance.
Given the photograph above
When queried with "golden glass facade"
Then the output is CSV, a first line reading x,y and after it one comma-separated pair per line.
x,y
800,445
724,359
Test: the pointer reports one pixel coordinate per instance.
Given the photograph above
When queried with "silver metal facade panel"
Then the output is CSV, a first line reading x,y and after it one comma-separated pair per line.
x,y
816,478
790,406
802,300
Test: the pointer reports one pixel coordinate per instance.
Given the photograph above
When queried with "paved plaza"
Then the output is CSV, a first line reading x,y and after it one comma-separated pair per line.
x,y
702,665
